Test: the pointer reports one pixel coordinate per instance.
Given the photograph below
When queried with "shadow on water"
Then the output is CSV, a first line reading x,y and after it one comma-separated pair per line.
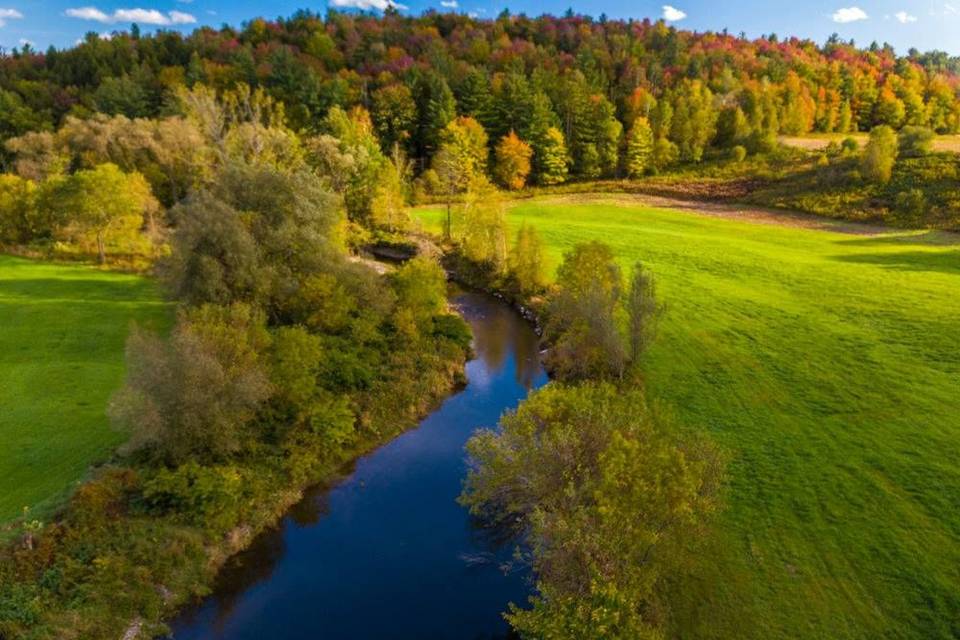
x,y
388,553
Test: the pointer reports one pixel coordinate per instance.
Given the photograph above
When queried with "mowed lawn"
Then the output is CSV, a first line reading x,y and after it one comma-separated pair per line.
x,y
62,334
828,365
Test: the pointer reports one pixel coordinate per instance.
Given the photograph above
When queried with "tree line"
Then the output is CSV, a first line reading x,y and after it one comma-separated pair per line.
x,y
591,98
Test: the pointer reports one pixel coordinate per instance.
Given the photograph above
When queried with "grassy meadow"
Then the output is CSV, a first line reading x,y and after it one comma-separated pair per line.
x,y
819,141
828,365
62,334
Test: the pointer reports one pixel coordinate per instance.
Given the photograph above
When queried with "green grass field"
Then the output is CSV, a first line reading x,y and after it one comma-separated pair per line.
x,y
828,365
62,334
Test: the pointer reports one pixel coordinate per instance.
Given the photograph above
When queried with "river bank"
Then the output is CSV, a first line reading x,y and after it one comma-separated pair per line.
x,y
111,567
387,551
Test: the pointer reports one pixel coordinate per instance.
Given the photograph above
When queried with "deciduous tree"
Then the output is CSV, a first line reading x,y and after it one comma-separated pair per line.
x,y
512,165
639,153
607,493
526,261
106,205
582,315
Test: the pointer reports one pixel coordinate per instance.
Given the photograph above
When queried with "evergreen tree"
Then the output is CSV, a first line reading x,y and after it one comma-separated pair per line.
x,y
513,103
542,119
436,107
475,98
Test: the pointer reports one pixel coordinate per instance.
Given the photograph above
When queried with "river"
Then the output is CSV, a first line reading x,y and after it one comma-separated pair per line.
x,y
387,553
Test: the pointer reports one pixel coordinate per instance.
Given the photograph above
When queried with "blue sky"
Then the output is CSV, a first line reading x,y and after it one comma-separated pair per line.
x,y
924,24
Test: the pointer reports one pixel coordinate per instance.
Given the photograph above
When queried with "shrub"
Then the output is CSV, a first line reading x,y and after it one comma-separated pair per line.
x,y
849,145
452,327
879,156
911,206
738,153
209,497
915,141
762,142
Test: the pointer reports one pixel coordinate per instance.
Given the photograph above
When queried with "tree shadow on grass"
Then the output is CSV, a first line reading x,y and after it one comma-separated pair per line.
x,y
930,237
942,261
79,290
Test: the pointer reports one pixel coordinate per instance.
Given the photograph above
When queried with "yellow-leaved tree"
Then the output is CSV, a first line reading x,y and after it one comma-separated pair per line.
x,y
512,161
104,206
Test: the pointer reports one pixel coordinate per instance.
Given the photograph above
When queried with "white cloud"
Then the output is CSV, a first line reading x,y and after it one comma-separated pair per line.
x,y
903,17
26,43
672,14
140,16
849,14
178,17
366,5
88,13
9,14
449,4
949,9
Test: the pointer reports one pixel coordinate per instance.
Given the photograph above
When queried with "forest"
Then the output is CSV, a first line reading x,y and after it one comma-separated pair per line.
x,y
253,173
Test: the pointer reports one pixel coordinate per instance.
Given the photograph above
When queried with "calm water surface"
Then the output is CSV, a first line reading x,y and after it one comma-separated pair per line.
x,y
388,553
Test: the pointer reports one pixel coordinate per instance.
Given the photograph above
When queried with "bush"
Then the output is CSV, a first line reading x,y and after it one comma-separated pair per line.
x,y
915,141
209,497
762,142
879,156
823,160
738,153
452,327
849,145
911,206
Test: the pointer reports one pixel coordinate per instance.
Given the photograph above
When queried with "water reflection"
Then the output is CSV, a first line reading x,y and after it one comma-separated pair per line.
x,y
497,335
388,553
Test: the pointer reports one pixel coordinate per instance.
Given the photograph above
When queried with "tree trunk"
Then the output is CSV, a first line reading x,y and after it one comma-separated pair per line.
x,y
449,230
101,251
